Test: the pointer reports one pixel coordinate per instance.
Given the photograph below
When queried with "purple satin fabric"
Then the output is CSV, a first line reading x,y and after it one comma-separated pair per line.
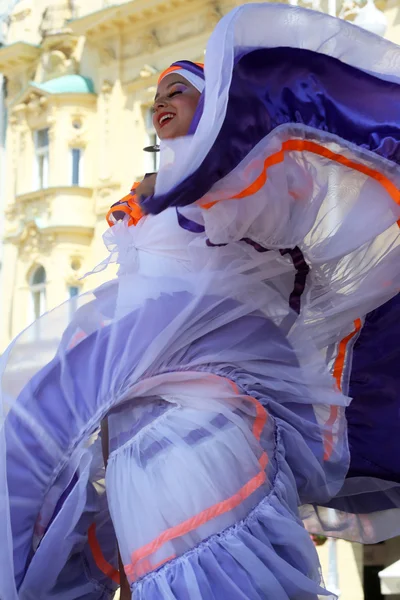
x,y
190,66
188,224
374,414
271,87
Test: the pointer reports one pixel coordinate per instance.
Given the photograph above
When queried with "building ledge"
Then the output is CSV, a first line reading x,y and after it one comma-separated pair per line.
x,y
51,94
19,54
71,190
118,16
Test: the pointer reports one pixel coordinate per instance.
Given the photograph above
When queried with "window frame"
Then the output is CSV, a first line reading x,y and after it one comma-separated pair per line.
x,y
42,159
79,173
37,297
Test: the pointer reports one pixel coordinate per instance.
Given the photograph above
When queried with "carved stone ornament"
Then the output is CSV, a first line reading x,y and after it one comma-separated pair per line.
x,y
77,122
72,280
107,87
105,192
23,134
56,64
35,209
11,212
76,263
36,104
32,242
15,87
20,15
149,42
107,54
77,141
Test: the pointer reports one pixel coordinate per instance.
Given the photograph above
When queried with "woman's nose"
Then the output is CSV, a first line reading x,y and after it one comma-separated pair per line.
x,y
160,102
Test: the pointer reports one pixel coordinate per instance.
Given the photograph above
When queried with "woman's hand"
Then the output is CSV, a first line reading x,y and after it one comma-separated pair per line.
x,y
146,187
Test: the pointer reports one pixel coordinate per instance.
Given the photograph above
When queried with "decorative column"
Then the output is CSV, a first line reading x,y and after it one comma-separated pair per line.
x,y
105,161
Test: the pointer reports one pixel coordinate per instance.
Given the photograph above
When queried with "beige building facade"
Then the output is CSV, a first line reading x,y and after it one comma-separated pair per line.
x,y
81,77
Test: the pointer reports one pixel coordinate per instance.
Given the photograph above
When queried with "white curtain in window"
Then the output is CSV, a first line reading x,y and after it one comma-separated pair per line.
x,y
41,173
37,301
76,162
38,292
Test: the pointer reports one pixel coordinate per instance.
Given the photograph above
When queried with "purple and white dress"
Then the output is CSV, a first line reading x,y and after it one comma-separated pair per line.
x,y
225,353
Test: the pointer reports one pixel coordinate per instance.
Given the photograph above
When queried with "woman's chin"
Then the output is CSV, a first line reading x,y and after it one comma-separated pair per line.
x,y
170,131
168,135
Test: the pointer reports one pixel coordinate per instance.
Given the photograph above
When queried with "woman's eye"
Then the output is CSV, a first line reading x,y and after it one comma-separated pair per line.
x,y
172,94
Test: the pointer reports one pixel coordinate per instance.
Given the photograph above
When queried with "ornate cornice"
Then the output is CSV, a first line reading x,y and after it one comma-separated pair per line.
x,y
32,240
17,57
113,19
35,100
37,207
52,191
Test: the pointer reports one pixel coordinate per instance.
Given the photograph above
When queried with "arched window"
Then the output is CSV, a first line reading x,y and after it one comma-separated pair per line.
x,y
37,286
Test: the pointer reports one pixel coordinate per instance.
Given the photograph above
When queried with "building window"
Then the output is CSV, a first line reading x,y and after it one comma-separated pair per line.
x,y
152,159
76,166
41,139
73,293
37,285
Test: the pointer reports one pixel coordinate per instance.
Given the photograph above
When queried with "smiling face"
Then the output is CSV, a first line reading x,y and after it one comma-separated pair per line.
x,y
174,106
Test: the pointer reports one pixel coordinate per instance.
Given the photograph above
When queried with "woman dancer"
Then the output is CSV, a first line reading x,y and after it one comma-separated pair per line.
x,y
208,354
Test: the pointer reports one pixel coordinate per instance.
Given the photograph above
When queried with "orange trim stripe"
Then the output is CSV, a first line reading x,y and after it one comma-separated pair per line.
x,y
113,209
136,570
261,418
203,517
133,210
261,414
174,68
341,356
98,556
168,71
337,374
313,147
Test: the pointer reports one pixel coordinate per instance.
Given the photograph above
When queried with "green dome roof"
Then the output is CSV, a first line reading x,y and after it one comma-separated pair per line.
x,y
67,84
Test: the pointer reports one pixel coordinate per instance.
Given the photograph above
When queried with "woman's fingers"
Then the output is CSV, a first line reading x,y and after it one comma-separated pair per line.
x,y
146,187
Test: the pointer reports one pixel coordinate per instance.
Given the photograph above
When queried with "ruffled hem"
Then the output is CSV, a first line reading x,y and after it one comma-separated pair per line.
x,y
267,556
